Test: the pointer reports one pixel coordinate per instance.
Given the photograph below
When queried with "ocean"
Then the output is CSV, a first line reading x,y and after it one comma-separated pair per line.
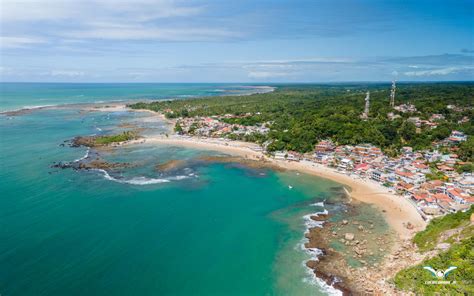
x,y
203,228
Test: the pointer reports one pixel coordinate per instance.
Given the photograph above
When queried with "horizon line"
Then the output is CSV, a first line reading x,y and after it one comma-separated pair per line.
x,y
236,82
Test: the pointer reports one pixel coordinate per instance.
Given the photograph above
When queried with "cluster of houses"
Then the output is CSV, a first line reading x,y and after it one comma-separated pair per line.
x,y
428,178
215,126
405,108
431,123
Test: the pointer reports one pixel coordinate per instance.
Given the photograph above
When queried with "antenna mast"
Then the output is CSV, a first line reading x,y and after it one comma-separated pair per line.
x,y
367,106
392,94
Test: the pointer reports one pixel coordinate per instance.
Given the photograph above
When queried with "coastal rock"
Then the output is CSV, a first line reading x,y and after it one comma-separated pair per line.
x,y
349,236
319,217
312,264
170,165
345,222
361,228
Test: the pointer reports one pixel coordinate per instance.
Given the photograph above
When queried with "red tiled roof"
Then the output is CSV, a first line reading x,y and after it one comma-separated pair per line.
x,y
420,166
404,174
442,197
362,166
405,186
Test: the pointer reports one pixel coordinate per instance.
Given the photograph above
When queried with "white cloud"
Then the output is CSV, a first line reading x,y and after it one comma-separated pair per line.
x,y
111,31
53,10
66,73
82,20
434,72
267,74
19,41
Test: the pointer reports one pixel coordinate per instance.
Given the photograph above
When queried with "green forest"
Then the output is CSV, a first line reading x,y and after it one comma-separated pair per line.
x,y
300,115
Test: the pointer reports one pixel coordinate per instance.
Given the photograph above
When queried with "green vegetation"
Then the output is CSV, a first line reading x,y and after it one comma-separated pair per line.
x,y
456,230
109,139
460,255
465,168
301,115
427,239
96,141
466,150
177,128
435,174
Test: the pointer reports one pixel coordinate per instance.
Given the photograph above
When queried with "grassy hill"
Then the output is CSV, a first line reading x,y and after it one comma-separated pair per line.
x,y
457,230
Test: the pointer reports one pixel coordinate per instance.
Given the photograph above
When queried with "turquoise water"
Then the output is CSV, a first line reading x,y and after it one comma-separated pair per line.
x,y
16,96
204,229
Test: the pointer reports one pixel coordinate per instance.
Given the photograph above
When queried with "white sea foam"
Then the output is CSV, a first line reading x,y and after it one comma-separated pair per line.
x,y
141,180
178,178
315,253
314,280
144,181
84,157
318,204
310,223
36,107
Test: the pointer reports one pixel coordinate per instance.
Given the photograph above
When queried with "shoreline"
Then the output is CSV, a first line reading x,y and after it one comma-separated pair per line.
x,y
396,209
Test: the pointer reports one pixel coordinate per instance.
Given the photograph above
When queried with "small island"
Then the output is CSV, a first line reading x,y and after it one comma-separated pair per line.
x,y
104,140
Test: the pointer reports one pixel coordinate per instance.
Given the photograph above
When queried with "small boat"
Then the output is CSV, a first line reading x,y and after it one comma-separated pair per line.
x,y
290,187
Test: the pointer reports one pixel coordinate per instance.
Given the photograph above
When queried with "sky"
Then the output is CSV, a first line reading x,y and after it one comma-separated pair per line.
x,y
236,40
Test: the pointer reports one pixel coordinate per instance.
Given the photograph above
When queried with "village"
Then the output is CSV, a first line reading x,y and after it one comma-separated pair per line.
x,y
429,179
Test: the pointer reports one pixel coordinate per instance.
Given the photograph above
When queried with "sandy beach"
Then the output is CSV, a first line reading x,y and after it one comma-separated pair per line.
x,y
397,210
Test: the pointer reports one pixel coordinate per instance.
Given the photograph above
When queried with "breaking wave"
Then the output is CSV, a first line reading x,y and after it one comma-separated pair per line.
x,y
141,180
315,253
84,157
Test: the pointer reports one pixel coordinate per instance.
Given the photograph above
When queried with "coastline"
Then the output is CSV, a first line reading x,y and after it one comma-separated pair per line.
x,y
397,210
329,266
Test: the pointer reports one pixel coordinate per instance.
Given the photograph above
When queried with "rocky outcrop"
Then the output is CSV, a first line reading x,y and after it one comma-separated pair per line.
x,y
170,165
